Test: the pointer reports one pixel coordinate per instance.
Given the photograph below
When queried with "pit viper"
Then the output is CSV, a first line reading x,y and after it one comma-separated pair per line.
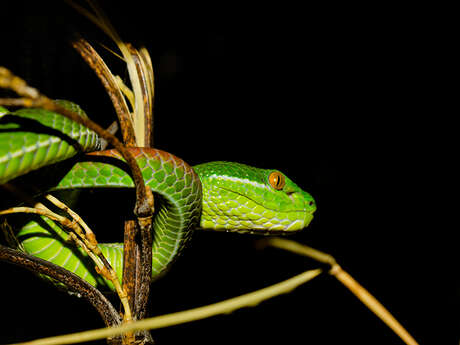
x,y
42,145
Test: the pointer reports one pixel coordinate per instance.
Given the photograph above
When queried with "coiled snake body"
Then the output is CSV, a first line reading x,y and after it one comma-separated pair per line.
x,y
217,195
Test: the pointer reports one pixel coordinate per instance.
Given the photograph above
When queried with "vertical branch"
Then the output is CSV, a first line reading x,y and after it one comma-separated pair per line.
x,y
140,70
130,263
143,289
137,267
144,72
132,277
93,59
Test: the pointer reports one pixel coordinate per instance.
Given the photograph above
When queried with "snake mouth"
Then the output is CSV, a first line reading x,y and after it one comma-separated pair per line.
x,y
255,232
308,218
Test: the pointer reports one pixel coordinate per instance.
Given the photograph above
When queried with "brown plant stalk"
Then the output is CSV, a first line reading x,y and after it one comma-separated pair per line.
x,y
137,259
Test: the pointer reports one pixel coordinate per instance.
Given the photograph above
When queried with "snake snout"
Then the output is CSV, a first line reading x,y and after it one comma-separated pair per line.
x,y
310,208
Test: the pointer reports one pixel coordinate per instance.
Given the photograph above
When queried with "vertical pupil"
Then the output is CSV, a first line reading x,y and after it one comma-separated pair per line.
x,y
276,180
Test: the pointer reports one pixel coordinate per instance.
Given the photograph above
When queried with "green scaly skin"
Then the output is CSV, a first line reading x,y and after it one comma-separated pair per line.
x,y
217,195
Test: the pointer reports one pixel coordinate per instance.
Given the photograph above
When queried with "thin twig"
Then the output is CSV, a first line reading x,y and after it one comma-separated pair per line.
x,y
143,289
89,234
224,307
372,303
89,243
9,81
130,259
42,211
358,290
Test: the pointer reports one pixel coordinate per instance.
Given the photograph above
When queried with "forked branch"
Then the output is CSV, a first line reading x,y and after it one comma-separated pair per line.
x,y
346,279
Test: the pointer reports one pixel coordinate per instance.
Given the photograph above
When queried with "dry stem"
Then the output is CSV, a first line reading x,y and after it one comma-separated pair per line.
x,y
224,307
358,290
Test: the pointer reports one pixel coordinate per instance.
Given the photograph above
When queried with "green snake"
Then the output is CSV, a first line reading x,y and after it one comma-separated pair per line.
x,y
217,195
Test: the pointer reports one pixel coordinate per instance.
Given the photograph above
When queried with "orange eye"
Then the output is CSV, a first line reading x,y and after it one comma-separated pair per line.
x,y
276,180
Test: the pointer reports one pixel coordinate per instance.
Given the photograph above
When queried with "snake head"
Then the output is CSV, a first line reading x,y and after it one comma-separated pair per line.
x,y
241,198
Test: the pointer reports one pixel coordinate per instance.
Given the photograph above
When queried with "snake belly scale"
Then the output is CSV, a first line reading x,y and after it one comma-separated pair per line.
x,y
217,195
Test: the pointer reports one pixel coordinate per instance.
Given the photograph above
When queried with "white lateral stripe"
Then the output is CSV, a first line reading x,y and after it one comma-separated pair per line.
x,y
43,248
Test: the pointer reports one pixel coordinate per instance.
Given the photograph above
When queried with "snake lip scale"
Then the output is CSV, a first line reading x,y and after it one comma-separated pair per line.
x,y
220,196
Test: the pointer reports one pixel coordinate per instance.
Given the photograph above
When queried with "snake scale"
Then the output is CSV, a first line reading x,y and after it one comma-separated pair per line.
x,y
217,195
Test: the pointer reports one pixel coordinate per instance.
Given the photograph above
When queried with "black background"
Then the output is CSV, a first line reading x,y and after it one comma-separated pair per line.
x,y
329,95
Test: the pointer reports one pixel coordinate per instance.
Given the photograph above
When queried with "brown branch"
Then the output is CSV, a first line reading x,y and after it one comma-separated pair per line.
x,y
130,260
137,268
132,281
143,259
143,291
137,260
72,281
92,58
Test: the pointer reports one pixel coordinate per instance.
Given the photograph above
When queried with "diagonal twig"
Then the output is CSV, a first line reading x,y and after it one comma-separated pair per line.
x,y
348,281
72,281
224,307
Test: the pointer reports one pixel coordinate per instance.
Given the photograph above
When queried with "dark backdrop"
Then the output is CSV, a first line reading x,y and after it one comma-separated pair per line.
x,y
325,94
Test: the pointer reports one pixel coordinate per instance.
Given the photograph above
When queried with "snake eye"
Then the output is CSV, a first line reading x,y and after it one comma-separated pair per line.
x,y
276,180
